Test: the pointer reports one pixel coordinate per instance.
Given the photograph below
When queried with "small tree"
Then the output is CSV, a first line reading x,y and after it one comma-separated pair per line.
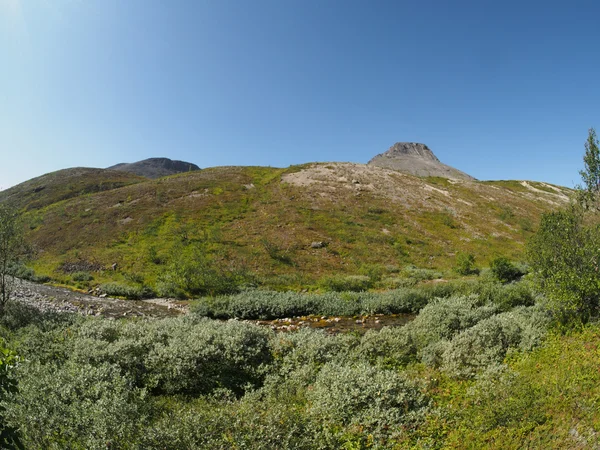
x,y
504,270
589,196
465,264
11,251
564,256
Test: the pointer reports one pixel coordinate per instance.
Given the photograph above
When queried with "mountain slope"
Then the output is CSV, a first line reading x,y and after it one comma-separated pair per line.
x,y
265,220
63,184
156,167
416,159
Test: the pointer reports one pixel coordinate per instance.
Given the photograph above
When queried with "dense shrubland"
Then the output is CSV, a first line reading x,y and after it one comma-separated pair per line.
x,y
193,382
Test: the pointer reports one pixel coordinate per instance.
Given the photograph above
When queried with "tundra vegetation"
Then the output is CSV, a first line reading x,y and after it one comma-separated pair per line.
x,y
504,357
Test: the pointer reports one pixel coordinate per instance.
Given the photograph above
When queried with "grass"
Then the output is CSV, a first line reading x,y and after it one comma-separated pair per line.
x,y
249,218
550,399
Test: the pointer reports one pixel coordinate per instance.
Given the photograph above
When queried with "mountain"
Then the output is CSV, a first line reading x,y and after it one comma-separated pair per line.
x,y
265,220
416,159
55,187
155,167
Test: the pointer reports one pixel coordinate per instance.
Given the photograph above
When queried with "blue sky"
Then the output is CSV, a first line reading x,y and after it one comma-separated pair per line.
x,y
498,89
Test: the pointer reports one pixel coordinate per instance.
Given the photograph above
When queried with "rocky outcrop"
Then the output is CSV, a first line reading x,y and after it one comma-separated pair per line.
x,y
156,167
416,159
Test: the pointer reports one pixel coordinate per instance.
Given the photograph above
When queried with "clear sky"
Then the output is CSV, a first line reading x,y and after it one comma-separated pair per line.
x,y
499,89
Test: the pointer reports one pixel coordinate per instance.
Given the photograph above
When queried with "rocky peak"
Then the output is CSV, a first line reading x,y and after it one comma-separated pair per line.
x,y
410,149
416,159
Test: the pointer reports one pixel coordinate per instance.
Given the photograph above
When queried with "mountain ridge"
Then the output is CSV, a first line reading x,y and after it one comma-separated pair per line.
x,y
417,159
155,167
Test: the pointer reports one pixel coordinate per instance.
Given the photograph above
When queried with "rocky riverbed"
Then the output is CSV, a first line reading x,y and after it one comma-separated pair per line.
x,y
62,300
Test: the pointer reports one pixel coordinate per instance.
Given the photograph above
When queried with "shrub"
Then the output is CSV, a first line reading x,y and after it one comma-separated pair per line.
x,y
375,400
444,318
390,347
373,271
258,304
83,407
9,436
502,398
504,271
350,283
299,356
82,276
564,257
177,356
488,341
199,357
421,274
253,422
121,290
465,264
191,272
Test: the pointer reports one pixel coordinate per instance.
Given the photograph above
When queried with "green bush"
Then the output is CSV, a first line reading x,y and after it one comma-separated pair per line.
x,y
299,356
191,272
502,398
465,264
121,290
504,270
391,347
564,258
346,283
488,341
9,435
82,276
444,318
178,356
75,406
421,274
374,400
258,304
199,358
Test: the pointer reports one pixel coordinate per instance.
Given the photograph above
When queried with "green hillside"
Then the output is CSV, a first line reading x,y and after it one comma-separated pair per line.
x,y
263,220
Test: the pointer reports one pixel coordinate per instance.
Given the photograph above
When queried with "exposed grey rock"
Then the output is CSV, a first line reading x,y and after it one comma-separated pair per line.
x,y
156,167
318,244
416,159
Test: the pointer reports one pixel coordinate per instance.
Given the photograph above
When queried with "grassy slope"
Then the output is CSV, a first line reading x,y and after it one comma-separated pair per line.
x,y
552,401
247,215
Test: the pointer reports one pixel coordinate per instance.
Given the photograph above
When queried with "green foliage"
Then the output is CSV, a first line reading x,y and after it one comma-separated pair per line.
x,y
504,270
488,341
367,398
9,436
75,406
192,272
276,252
444,318
421,274
259,304
346,283
125,291
391,347
82,276
189,382
12,249
589,193
465,264
564,257
503,398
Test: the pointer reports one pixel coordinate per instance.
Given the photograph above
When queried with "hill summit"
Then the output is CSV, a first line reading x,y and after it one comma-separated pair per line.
x,y
416,159
156,167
